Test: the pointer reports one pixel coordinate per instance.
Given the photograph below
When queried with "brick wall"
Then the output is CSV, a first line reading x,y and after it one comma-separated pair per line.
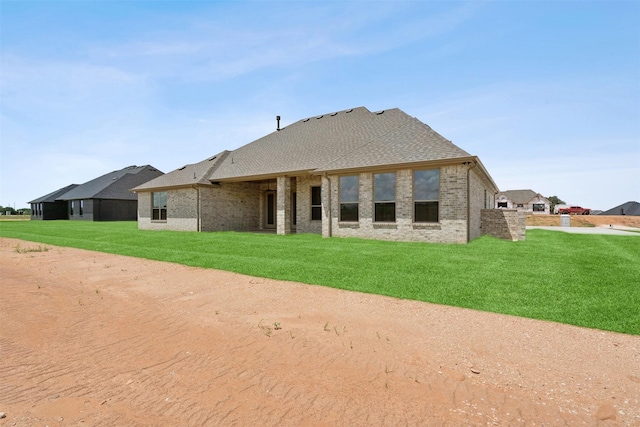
x,y
452,227
303,208
232,206
508,224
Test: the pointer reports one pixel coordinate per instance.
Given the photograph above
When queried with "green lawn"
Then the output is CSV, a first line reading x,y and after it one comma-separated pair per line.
x,y
585,280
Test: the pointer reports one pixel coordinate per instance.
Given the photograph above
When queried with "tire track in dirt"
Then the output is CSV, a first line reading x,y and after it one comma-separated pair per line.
x,y
104,340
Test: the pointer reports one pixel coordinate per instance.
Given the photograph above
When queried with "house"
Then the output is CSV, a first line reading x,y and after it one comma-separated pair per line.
x,y
524,200
106,198
629,208
49,207
351,173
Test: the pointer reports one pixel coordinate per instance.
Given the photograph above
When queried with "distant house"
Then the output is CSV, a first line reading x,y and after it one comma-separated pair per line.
x,y
629,208
523,200
352,173
49,207
106,198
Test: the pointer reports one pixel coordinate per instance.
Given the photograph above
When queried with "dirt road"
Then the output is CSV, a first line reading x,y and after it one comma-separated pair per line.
x,y
93,339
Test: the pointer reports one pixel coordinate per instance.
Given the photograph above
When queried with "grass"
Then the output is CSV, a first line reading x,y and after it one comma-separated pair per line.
x,y
584,280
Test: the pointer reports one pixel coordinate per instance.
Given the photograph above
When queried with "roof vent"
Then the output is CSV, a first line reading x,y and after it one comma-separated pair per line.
x,y
182,168
348,111
278,123
334,114
305,120
319,117
213,158
380,112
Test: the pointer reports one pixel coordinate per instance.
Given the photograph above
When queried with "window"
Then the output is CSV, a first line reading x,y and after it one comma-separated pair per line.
x,y
159,211
81,207
502,204
426,195
538,207
384,197
316,203
72,206
349,197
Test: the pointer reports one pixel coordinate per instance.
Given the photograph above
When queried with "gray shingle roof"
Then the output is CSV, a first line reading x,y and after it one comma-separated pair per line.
x,y
195,173
519,196
629,208
345,139
411,142
114,185
51,197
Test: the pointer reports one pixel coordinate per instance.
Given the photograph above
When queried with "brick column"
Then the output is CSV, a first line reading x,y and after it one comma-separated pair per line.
x,y
283,218
326,206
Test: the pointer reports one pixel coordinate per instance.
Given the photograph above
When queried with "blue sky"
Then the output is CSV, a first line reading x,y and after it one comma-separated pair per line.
x,y
546,93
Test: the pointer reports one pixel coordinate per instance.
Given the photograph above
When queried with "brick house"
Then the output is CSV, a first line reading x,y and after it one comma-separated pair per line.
x,y
352,173
523,200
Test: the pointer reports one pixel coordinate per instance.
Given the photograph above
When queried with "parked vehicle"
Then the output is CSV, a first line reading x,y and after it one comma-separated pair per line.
x,y
574,210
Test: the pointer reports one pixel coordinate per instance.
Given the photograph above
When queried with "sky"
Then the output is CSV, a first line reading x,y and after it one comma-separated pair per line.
x,y
545,93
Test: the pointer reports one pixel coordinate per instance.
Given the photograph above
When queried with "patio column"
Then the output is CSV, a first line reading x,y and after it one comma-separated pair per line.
x,y
283,221
326,206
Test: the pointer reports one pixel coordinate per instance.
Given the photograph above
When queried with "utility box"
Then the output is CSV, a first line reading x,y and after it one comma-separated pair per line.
x,y
565,220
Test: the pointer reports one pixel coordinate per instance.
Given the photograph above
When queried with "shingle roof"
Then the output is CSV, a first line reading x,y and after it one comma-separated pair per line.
x,y
411,142
519,196
195,173
629,208
114,185
345,139
51,197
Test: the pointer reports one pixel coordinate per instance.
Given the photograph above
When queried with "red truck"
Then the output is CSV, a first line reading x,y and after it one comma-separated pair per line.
x,y
575,210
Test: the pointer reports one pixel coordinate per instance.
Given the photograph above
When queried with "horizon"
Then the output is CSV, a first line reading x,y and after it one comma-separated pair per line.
x,y
546,94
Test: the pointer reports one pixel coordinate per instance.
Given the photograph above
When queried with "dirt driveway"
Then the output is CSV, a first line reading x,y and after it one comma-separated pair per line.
x,y
90,339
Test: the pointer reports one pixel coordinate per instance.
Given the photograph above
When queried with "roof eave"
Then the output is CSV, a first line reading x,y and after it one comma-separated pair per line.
x,y
396,166
262,177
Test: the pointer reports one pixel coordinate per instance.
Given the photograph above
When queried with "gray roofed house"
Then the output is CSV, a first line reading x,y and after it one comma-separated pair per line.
x,y
49,207
108,197
524,200
629,208
351,173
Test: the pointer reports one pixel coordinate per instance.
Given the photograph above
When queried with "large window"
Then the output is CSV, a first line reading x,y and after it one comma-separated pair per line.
x,y
316,203
426,195
538,207
349,196
384,197
81,207
159,211
72,206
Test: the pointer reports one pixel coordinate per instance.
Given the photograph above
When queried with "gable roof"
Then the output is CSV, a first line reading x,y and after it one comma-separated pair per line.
x,y
521,196
629,208
195,173
114,185
342,140
51,197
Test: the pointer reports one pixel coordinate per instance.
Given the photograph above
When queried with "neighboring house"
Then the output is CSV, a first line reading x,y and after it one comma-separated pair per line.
x,y
106,198
523,200
48,207
352,173
629,208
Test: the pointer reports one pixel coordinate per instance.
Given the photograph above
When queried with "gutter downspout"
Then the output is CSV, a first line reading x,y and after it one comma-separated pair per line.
x,y
469,201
